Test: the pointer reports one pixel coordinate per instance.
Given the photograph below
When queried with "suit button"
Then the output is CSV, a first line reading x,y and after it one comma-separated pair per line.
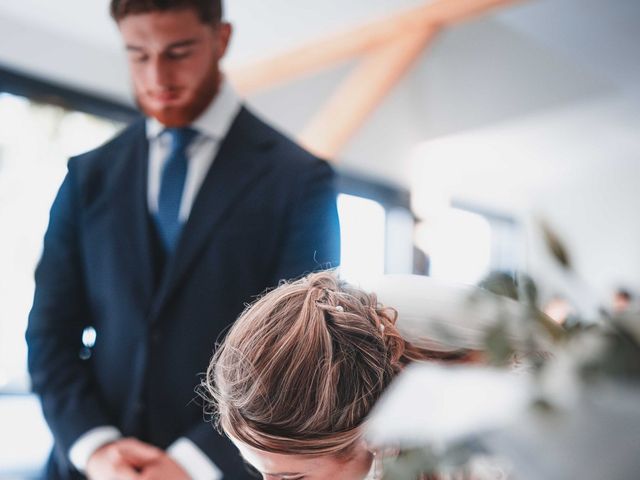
x,y
155,337
139,407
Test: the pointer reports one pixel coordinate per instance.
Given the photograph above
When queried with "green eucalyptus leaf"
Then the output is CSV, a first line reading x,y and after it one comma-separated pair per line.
x,y
498,348
555,245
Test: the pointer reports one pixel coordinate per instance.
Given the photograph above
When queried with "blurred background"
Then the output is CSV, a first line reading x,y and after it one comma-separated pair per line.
x,y
480,122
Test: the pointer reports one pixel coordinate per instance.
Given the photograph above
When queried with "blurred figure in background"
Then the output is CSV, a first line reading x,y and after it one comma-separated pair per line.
x,y
421,262
559,309
157,240
622,301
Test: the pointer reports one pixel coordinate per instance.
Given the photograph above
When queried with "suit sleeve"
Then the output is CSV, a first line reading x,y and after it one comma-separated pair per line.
x,y
56,322
312,237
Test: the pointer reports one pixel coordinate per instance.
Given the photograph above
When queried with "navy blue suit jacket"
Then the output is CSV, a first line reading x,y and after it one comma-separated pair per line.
x,y
265,212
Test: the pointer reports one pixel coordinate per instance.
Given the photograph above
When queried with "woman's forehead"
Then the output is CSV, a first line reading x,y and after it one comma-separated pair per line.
x,y
283,464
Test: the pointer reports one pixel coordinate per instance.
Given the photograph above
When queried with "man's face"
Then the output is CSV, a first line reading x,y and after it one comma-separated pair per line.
x,y
173,58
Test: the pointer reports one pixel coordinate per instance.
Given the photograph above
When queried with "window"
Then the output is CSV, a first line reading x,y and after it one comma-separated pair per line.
x,y
376,227
458,243
465,243
362,224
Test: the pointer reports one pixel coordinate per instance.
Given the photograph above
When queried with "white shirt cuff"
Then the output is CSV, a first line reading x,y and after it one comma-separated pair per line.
x,y
89,442
193,460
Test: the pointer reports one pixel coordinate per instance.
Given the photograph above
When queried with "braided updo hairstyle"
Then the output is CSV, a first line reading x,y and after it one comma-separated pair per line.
x,y
302,367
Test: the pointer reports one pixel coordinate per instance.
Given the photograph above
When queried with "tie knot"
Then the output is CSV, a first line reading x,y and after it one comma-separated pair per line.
x,y
181,138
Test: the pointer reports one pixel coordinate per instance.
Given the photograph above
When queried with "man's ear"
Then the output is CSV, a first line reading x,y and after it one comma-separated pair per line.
x,y
224,36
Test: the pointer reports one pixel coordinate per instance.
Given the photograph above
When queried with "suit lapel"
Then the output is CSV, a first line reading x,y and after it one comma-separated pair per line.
x,y
131,235
232,173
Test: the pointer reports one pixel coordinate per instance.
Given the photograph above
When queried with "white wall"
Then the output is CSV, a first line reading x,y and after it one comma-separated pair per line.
x,y
56,57
577,168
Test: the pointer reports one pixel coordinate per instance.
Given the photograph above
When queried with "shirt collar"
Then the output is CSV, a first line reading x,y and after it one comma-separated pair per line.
x,y
215,121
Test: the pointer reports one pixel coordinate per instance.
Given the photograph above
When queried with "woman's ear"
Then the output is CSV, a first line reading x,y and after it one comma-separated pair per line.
x,y
373,452
382,452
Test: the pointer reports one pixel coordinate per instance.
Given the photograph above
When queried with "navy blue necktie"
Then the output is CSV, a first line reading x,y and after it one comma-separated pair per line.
x,y
174,174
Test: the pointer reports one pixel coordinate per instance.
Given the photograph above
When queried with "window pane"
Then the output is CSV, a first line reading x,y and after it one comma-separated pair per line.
x,y
362,224
458,244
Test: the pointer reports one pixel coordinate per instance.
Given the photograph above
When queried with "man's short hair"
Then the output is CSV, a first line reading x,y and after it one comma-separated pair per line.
x,y
209,11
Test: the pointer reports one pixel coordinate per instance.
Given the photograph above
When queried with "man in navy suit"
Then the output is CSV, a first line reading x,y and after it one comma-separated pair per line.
x,y
157,240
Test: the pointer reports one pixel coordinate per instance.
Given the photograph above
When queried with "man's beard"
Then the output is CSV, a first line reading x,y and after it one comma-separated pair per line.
x,y
180,116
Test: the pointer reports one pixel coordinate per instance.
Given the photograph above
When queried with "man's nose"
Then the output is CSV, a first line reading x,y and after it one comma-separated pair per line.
x,y
160,73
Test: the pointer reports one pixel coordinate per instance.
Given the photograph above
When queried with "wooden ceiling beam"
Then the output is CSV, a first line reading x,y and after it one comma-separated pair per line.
x,y
363,90
310,58
339,47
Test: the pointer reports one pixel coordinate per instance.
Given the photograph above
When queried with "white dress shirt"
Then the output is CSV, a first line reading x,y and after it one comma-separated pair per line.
x,y
212,126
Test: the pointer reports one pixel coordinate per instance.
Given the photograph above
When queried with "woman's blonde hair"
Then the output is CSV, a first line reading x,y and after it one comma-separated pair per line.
x,y
302,367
